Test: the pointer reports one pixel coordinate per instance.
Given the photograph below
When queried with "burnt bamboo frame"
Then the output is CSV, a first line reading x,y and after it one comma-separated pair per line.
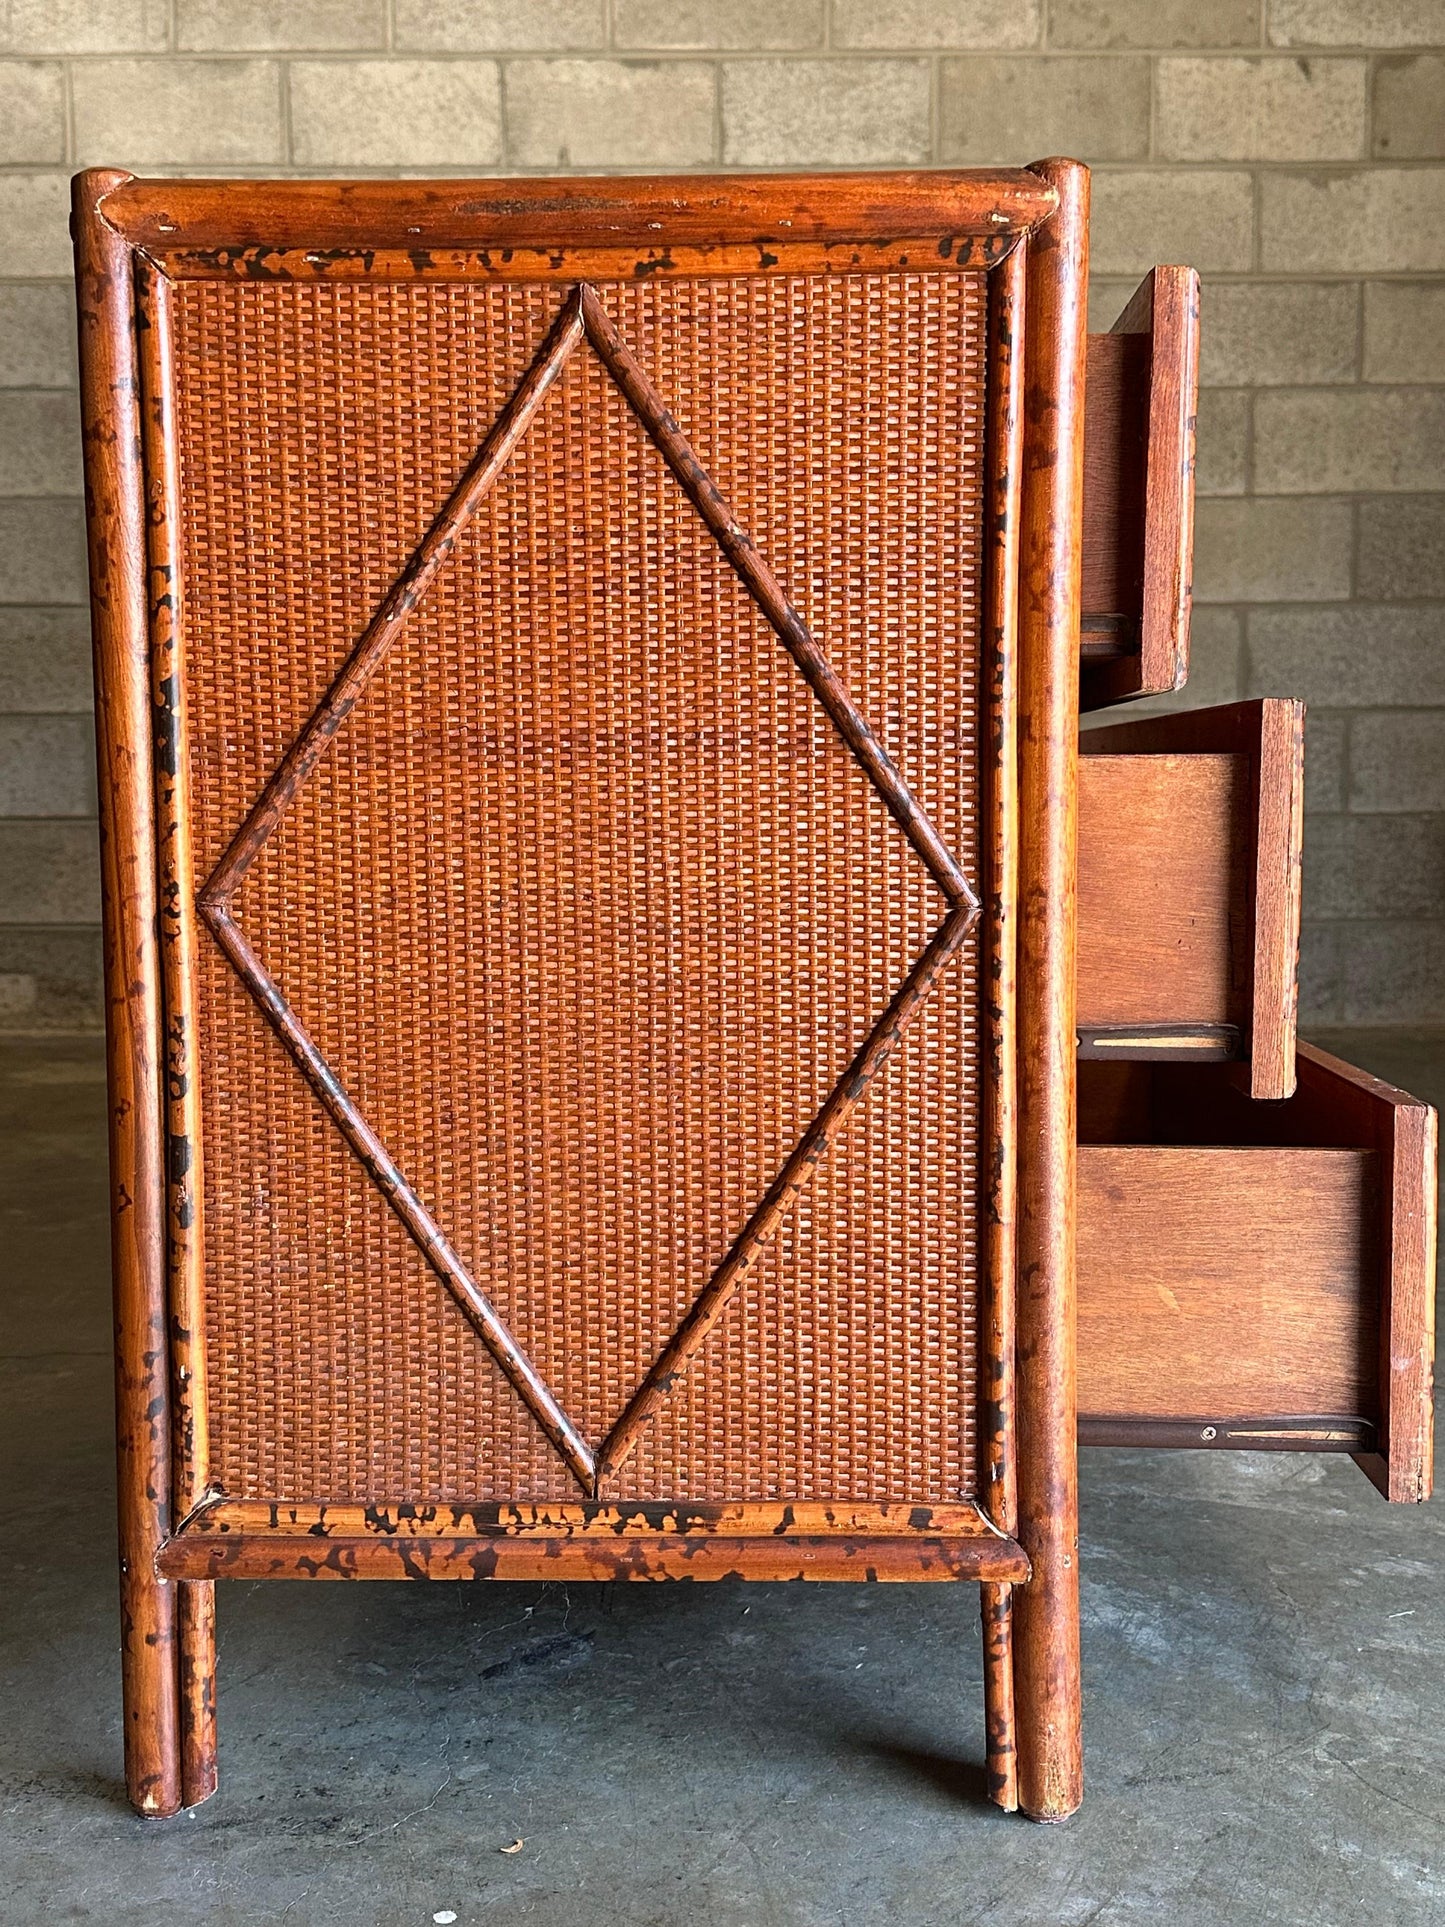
x,y
1026,230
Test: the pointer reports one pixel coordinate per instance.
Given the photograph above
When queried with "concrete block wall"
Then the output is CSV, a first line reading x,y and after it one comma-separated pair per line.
x,y
1291,150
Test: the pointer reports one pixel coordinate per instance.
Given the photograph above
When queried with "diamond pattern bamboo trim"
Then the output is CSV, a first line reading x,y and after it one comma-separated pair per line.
x,y
583,315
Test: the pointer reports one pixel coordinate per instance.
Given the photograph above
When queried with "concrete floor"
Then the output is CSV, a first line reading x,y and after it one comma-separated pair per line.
x,y
1264,1696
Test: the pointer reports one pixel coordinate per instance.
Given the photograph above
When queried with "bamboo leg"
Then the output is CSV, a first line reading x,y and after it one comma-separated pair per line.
x,y
116,518
1046,1608
197,1655
998,1696
195,1603
148,1691
998,1372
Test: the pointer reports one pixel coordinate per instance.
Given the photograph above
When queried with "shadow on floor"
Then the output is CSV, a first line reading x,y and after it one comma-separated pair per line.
x,y
1264,1704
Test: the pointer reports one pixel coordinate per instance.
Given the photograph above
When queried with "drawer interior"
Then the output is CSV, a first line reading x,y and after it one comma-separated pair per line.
x,y
1190,829
1165,844
1257,1274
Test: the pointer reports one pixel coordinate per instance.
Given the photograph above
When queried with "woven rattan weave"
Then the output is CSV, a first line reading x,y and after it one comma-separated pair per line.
x,y
589,905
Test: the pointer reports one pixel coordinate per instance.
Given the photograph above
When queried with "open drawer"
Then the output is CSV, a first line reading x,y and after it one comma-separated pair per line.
x,y
1140,398
1189,872
1257,1276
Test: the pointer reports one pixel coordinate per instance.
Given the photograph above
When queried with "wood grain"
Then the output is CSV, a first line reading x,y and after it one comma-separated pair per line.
x,y
1226,1283
1046,1610
196,1663
1277,897
1405,1136
1164,865
190,1444
264,1555
1360,1293
414,218
1267,736
593,1542
1149,516
587,1519
1116,445
999,943
115,495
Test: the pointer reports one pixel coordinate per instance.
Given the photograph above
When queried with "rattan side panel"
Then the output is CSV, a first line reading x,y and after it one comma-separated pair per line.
x,y
588,906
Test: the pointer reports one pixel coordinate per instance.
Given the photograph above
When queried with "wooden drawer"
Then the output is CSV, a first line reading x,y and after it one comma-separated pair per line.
x,y
1139,416
1257,1276
1189,866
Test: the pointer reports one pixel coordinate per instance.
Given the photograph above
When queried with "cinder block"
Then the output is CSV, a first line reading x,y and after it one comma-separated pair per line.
x,y
1404,331
19,994
40,442
1153,23
49,873
37,336
1375,866
52,979
265,26
500,26
1262,550
1314,441
1320,993
32,110
1204,217
1266,110
45,661
1015,109
1402,548
1107,301
1223,442
395,113
1380,220
610,113
1353,23
84,26
169,113
42,552
1361,656
1261,334
906,24
1326,748
47,766
1397,760
1391,971
35,225
1408,117
684,25
1215,660
789,113
1215,668
1321,885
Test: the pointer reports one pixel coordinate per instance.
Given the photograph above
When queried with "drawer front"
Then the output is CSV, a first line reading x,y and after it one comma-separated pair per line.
x,y
1258,1275
1139,422
1189,854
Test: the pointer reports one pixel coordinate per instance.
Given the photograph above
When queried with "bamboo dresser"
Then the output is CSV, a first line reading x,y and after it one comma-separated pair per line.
x,y
643,1042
